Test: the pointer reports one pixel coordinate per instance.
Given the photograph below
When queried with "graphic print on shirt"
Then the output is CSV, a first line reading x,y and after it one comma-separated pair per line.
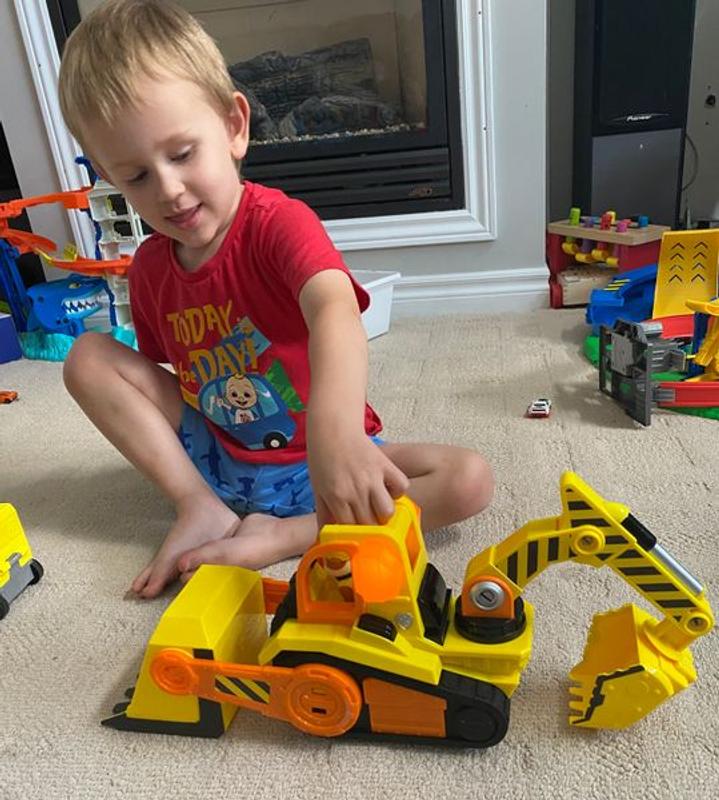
x,y
225,378
250,409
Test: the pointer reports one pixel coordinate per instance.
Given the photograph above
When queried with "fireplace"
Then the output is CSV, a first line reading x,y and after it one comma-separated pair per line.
x,y
358,115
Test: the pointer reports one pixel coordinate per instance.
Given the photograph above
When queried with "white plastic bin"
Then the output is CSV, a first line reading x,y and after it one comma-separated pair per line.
x,y
380,286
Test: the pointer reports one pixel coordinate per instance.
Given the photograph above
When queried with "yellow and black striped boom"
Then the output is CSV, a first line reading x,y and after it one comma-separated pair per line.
x,y
597,532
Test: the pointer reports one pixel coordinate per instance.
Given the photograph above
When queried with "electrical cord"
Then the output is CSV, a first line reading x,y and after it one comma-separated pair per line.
x,y
696,162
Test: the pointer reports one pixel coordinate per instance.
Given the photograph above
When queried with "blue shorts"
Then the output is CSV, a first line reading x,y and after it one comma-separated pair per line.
x,y
282,490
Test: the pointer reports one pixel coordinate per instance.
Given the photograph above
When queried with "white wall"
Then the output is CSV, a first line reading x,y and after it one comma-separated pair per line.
x,y
25,132
703,125
519,70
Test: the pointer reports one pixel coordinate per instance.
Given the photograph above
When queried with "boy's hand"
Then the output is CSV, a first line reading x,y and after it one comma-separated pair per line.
x,y
354,483
353,480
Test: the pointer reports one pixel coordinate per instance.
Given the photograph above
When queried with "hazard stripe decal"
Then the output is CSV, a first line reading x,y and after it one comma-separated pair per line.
x,y
598,522
532,557
553,549
615,539
676,603
235,686
512,567
657,587
639,571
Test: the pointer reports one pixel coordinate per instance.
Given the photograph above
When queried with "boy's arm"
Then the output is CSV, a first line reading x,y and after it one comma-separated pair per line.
x,y
353,481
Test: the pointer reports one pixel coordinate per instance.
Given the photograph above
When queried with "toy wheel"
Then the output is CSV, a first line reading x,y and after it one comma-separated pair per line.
x,y
482,726
4,607
323,701
274,441
172,671
37,571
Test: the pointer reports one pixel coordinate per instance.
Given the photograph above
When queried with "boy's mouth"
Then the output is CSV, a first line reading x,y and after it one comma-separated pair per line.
x,y
186,218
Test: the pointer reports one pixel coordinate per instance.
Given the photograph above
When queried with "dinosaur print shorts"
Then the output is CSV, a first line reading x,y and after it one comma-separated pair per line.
x,y
282,490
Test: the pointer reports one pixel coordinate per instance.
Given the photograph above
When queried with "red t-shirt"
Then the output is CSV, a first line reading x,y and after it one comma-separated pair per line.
x,y
233,329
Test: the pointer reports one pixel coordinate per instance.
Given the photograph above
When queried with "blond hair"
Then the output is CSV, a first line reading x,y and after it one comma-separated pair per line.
x,y
123,41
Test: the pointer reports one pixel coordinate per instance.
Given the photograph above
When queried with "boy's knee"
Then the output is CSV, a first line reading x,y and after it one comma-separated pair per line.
x,y
88,349
473,484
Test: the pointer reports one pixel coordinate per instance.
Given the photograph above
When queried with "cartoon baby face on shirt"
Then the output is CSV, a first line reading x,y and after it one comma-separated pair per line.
x,y
240,392
240,395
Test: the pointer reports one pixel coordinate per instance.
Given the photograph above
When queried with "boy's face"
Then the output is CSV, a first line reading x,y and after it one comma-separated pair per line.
x,y
173,157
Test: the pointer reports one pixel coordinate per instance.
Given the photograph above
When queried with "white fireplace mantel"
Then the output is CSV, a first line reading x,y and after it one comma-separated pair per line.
x,y
476,222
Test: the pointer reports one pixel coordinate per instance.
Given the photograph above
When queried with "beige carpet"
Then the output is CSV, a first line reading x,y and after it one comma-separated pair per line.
x,y
72,644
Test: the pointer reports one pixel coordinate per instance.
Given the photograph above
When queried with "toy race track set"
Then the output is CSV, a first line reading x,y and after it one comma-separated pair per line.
x,y
367,641
47,317
664,353
655,335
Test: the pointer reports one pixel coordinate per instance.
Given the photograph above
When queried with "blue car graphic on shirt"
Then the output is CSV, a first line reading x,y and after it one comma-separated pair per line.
x,y
250,409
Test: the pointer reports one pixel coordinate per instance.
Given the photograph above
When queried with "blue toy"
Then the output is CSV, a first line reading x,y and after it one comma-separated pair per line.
x,y
62,306
630,296
12,287
9,343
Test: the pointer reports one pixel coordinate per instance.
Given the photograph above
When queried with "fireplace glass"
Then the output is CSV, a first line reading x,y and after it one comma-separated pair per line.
x,y
354,105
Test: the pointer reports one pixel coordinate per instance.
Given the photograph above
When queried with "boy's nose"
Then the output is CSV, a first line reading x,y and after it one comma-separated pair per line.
x,y
169,186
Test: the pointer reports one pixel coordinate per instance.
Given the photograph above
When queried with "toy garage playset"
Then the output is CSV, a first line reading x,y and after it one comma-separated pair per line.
x,y
654,333
659,344
366,640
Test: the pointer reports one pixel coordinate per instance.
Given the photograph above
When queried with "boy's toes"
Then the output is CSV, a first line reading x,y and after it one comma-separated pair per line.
x,y
162,573
185,576
141,580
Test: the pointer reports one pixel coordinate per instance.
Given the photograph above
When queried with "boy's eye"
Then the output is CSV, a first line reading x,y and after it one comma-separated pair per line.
x,y
180,157
137,178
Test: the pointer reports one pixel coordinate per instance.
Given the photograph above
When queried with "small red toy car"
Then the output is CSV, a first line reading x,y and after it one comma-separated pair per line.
x,y
7,397
541,407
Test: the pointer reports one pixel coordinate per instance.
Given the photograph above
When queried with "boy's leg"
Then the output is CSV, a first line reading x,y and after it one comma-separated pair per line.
x,y
137,406
448,483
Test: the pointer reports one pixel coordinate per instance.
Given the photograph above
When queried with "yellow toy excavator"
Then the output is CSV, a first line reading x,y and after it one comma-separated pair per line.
x,y
367,640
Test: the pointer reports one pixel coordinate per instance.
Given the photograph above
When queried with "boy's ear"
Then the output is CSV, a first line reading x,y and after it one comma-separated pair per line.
x,y
239,126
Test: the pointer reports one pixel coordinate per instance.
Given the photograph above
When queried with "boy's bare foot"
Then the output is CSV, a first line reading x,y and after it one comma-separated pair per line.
x,y
260,540
199,520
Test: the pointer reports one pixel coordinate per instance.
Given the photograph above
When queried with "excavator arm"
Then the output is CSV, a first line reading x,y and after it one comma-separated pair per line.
x,y
632,662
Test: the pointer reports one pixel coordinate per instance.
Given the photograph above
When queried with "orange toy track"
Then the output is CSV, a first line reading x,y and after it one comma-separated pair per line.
x,y
91,266
26,242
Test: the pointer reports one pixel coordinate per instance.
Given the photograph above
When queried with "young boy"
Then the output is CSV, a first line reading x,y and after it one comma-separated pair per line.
x,y
261,433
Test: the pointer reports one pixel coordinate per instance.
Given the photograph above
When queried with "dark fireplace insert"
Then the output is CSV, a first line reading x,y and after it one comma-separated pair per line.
x,y
355,107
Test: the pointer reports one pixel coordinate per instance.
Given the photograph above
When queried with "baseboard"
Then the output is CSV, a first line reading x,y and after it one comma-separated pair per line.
x,y
524,289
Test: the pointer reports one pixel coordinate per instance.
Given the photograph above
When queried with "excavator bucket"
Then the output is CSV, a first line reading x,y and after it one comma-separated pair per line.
x,y
219,615
625,672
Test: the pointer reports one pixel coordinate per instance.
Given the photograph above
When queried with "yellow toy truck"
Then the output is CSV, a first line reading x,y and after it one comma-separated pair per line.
x,y
367,640
18,569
